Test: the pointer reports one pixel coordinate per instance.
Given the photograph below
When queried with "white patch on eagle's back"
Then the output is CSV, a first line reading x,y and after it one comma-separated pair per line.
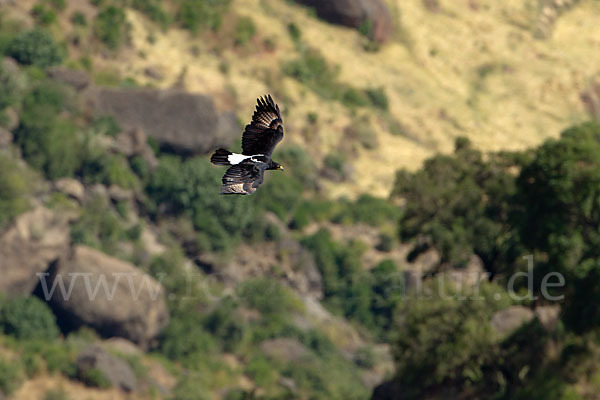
x,y
236,158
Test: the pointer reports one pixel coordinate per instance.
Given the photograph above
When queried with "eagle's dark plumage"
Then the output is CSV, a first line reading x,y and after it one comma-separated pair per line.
x,y
258,141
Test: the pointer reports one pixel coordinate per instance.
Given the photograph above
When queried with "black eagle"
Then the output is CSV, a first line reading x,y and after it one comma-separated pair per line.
x,y
258,141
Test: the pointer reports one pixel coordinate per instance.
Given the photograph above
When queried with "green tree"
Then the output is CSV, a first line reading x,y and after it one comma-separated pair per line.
x,y
443,338
461,205
560,193
35,47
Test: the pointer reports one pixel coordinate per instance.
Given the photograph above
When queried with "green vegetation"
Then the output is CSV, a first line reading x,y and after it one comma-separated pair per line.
x,y
43,14
95,378
10,377
154,10
461,204
48,141
110,27
188,187
28,318
313,70
35,47
366,296
245,30
197,15
79,19
15,185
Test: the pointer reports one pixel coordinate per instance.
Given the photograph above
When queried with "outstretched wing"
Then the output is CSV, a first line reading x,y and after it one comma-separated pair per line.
x,y
243,178
266,129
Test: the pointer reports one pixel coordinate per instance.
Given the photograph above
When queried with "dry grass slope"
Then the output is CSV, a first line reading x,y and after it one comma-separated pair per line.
x,y
473,68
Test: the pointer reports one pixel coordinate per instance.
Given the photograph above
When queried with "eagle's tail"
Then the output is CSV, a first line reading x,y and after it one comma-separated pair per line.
x,y
221,157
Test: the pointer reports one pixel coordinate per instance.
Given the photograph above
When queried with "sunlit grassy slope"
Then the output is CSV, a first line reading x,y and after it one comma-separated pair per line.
x,y
472,69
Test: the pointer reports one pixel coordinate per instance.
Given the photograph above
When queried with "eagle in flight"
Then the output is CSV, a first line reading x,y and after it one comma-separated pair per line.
x,y
247,170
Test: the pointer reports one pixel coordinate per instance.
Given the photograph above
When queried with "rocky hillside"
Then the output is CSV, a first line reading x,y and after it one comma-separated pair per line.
x,y
506,75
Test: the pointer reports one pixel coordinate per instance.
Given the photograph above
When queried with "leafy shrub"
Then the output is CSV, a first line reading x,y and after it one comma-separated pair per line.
x,y
78,18
43,14
10,377
28,318
111,26
99,227
109,169
35,47
353,97
279,194
191,188
49,142
224,323
245,30
267,296
295,32
312,210
386,242
59,358
95,378
313,70
140,167
378,98
105,125
168,269
261,371
184,341
346,285
190,388
154,10
388,291
197,15
369,210
15,183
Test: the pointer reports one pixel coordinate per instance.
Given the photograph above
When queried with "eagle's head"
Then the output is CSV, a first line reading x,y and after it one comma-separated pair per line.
x,y
274,165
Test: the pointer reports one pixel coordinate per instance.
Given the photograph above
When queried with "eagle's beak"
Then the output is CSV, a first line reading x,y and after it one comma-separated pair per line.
x,y
280,168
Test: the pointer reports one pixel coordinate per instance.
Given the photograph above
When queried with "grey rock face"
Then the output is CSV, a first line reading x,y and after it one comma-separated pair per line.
x,y
115,370
110,295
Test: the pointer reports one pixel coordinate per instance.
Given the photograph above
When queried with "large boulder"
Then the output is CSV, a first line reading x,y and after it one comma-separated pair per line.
x,y
77,79
357,14
35,240
94,359
110,295
184,122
